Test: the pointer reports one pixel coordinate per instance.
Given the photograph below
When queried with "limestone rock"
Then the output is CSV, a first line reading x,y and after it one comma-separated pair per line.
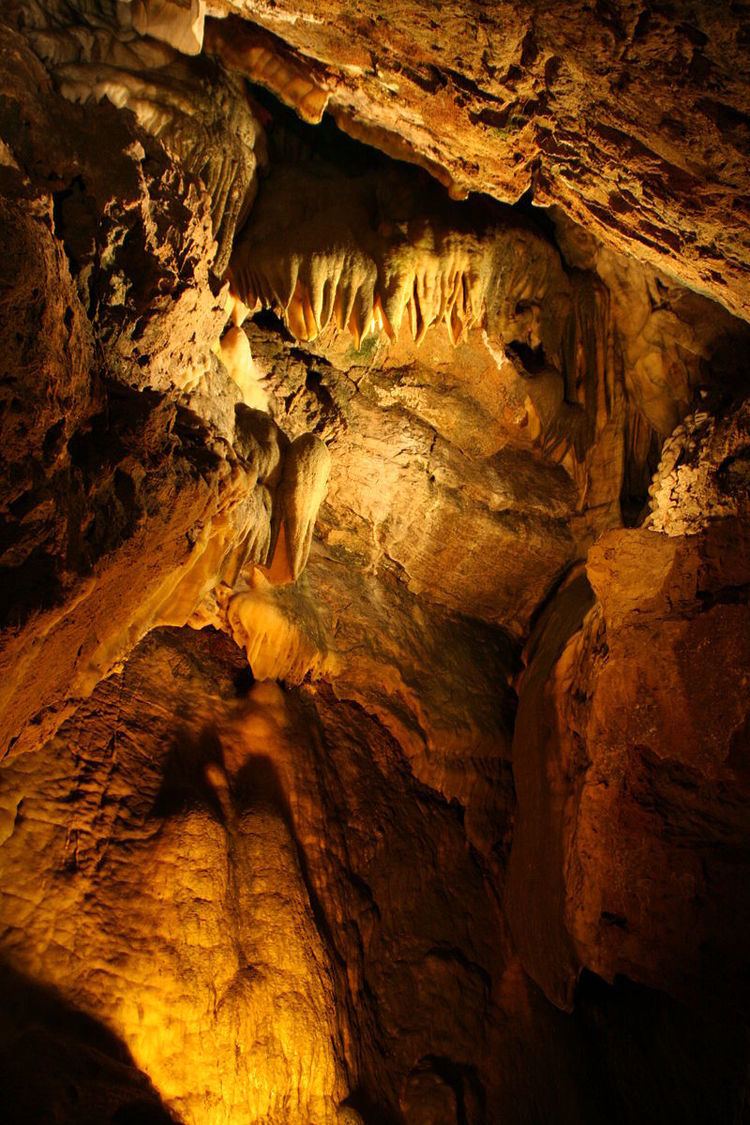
x,y
325,932
499,518
136,229
385,747
205,852
629,749
202,116
704,472
631,118
121,507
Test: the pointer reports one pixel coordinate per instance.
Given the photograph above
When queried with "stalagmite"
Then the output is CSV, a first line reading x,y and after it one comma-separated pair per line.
x,y
279,632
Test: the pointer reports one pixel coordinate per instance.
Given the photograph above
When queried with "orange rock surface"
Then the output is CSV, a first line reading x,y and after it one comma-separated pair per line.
x,y
374,563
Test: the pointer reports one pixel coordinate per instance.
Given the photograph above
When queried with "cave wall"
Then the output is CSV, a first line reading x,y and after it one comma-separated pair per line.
x,y
440,816
251,890
631,116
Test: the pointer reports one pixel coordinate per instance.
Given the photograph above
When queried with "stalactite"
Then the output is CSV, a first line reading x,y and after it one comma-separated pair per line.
x,y
198,110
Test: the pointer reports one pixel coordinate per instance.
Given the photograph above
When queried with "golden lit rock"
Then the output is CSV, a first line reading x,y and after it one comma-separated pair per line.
x,y
264,60
630,119
281,641
374,563
235,1015
177,22
235,354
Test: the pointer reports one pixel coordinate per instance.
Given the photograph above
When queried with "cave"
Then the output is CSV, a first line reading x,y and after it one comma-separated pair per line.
x,y
375,562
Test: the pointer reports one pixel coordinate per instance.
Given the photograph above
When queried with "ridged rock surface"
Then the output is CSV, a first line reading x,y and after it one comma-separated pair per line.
x,y
630,762
250,890
374,663
631,116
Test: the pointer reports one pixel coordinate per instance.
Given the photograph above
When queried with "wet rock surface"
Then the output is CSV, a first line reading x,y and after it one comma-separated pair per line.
x,y
374,658
632,117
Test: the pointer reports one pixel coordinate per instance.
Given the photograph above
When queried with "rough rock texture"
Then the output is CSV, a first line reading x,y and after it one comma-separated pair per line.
x,y
703,474
80,491
631,116
217,870
120,505
629,760
456,487
185,103
373,660
324,929
135,227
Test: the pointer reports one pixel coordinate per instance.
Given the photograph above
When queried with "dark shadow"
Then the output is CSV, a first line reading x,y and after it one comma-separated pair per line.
x,y
372,1113
59,1066
271,322
258,785
653,1061
184,783
464,1082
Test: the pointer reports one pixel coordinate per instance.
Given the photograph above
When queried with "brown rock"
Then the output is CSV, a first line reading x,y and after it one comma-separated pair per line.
x,y
633,120
628,760
325,855
251,891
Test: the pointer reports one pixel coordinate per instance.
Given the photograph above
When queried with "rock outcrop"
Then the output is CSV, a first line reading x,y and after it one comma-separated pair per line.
x,y
374,563
629,759
632,117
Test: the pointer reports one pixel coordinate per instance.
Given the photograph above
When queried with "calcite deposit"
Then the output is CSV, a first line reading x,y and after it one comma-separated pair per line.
x,y
374,563
633,117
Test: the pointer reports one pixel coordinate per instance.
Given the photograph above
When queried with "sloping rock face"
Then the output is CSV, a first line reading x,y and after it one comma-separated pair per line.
x,y
629,752
93,287
633,117
121,505
251,890
206,864
374,564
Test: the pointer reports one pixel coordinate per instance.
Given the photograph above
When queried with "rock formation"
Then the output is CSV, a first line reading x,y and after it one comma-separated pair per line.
x,y
374,616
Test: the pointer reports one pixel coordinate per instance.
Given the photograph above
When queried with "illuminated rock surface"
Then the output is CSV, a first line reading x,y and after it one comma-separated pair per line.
x,y
633,117
374,565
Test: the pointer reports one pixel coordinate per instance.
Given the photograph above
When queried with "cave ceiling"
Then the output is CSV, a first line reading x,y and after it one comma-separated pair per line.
x,y
374,561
